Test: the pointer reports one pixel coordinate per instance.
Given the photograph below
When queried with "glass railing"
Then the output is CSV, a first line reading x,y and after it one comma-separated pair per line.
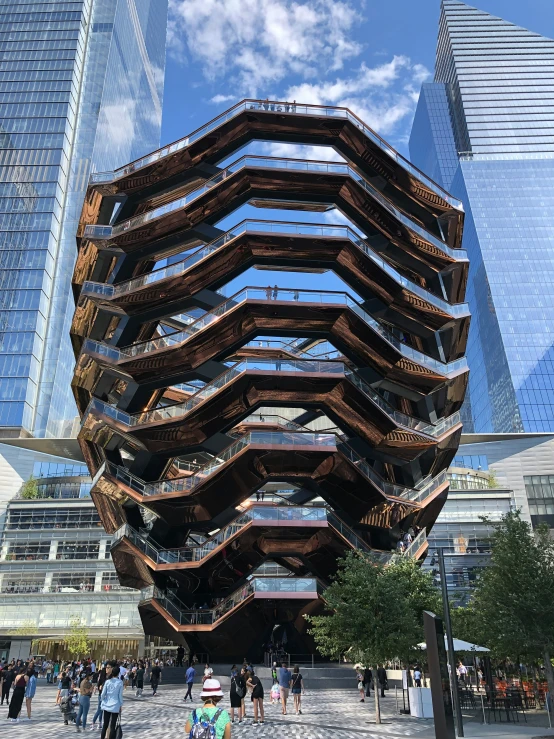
x,y
286,229
251,161
280,366
274,438
268,294
197,552
416,544
274,585
280,107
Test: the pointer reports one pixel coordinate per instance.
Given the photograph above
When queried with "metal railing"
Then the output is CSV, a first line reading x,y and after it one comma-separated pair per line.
x,y
280,366
285,229
261,162
280,107
198,551
187,616
292,439
273,294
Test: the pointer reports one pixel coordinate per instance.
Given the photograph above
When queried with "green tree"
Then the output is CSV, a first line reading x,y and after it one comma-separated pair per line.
x,y
514,598
77,641
25,628
29,489
374,612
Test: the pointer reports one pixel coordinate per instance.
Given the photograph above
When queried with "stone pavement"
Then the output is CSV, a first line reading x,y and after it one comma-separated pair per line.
x,y
326,714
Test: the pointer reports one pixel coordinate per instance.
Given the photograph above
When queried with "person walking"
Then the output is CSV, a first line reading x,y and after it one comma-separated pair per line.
x,y
297,689
112,703
382,679
255,685
64,686
236,694
208,672
30,690
103,676
360,684
8,676
18,694
180,655
209,713
190,674
368,678
140,679
85,691
284,686
155,677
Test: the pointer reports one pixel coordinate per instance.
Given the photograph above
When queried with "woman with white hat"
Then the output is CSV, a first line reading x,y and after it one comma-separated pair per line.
x,y
209,715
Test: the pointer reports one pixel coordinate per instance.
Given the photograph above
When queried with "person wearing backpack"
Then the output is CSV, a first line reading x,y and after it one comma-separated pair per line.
x,y
111,704
236,694
209,722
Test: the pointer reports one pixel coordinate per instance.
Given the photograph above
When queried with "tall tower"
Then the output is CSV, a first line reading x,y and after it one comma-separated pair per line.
x,y
485,130
81,89
239,445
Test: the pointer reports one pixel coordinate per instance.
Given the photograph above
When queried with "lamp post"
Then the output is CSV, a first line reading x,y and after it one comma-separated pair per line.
x,y
450,643
108,629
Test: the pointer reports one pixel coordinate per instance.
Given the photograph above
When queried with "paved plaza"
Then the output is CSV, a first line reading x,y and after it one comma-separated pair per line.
x,y
326,713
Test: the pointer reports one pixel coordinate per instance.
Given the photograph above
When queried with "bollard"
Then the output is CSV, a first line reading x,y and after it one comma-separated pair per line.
x,y
396,697
483,707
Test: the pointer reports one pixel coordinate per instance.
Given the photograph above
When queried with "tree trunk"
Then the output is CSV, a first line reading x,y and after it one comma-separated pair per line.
x,y
377,703
550,680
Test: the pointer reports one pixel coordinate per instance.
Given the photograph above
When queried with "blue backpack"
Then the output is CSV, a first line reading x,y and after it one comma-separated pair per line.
x,y
202,726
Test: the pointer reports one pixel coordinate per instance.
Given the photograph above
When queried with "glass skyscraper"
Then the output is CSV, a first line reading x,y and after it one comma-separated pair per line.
x,y
484,130
81,87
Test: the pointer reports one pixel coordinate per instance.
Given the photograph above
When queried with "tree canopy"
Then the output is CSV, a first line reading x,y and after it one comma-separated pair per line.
x,y
77,641
374,612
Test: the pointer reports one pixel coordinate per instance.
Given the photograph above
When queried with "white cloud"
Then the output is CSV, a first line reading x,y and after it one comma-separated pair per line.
x,y
300,50
261,41
218,99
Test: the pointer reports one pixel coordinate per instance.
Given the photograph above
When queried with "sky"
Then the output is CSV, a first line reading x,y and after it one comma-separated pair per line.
x,y
369,55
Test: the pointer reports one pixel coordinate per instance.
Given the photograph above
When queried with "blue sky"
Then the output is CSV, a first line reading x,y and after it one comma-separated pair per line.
x,y
371,55
368,55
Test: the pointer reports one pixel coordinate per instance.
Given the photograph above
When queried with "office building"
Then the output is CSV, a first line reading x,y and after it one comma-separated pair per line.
x,y
55,564
484,129
460,530
81,86
240,445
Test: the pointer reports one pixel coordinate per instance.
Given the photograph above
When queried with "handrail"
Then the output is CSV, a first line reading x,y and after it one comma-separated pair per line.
x,y
417,542
281,107
210,616
250,160
284,228
327,297
197,552
280,366
187,484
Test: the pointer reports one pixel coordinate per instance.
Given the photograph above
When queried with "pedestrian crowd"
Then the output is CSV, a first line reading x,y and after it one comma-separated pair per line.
x,y
78,682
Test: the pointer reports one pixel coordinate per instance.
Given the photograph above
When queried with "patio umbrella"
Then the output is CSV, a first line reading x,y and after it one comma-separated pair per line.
x,y
460,646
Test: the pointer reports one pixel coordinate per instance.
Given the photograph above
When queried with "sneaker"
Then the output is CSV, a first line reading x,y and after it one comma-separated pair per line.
x,y
262,723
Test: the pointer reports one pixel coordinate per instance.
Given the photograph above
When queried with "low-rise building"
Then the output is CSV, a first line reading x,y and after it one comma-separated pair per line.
x,y
55,563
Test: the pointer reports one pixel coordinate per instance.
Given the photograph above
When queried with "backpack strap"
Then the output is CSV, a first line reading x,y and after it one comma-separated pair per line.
x,y
194,717
216,715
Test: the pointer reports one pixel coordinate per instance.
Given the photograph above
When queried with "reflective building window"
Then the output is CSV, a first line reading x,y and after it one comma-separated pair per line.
x,y
484,129
81,87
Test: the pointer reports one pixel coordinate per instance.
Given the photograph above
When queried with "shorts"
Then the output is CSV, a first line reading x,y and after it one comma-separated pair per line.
x,y
284,692
296,691
63,693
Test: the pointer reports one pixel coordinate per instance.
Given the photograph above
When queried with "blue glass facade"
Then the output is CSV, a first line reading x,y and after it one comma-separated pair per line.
x,y
68,71
485,130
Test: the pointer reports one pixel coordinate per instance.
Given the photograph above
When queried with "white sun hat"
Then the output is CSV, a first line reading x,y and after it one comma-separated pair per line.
x,y
211,688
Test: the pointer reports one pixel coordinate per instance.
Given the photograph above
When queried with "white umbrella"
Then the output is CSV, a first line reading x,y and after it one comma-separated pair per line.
x,y
460,646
